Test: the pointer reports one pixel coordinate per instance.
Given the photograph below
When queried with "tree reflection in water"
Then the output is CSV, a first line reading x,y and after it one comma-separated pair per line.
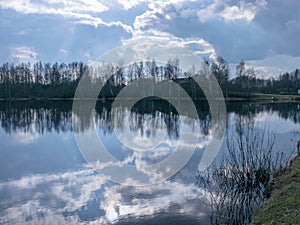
x,y
237,184
41,117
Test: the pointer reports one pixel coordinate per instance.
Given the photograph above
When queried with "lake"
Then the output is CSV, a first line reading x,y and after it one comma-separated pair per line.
x,y
44,178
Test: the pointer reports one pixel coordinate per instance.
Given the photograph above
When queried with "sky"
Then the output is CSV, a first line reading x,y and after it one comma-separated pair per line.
x,y
264,33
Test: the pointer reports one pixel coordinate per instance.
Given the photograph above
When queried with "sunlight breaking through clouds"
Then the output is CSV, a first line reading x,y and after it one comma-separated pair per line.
x,y
252,30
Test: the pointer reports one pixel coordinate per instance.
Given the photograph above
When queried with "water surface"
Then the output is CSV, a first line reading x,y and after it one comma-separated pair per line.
x,y
44,178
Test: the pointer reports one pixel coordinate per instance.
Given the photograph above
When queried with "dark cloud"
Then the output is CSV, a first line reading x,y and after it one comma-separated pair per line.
x,y
249,30
275,28
281,20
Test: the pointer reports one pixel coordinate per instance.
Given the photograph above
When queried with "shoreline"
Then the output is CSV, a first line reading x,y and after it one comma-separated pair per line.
x,y
255,97
283,205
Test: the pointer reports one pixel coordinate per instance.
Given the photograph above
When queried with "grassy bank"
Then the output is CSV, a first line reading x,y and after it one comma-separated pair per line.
x,y
283,206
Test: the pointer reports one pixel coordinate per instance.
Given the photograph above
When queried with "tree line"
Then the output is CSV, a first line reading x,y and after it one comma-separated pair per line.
x,y
46,80
286,83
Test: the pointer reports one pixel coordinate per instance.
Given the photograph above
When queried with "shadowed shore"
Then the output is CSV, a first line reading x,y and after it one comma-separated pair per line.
x,y
233,96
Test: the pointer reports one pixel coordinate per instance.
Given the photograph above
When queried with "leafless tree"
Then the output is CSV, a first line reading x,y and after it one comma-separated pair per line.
x,y
237,184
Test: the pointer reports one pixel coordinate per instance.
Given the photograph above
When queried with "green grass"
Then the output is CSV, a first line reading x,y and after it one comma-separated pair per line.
x,y
283,206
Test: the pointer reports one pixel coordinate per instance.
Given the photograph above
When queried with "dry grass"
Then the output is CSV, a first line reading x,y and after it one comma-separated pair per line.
x,y
283,206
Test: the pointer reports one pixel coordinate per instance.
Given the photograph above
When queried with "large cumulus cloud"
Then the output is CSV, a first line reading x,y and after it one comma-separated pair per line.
x,y
235,29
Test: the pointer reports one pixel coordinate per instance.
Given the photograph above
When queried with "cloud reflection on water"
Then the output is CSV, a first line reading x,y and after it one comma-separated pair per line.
x,y
82,197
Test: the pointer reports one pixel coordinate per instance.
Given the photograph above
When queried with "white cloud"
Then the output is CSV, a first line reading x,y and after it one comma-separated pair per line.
x,y
52,6
96,21
160,17
151,25
193,24
26,137
239,13
63,51
211,11
24,53
242,11
78,10
187,13
128,4
158,10
261,4
272,66
293,25
198,46
246,29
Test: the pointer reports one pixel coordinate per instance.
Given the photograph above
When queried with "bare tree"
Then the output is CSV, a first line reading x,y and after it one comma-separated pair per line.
x,y
237,185
220,69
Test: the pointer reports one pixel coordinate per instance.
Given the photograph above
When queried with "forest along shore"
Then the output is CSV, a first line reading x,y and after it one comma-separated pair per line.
x,y
238,97
283,206
60,80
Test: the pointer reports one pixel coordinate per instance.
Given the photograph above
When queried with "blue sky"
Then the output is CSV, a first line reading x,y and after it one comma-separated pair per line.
x,y
264,33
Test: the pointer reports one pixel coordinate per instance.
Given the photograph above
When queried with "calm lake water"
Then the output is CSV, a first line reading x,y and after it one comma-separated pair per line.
x,y
45,180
